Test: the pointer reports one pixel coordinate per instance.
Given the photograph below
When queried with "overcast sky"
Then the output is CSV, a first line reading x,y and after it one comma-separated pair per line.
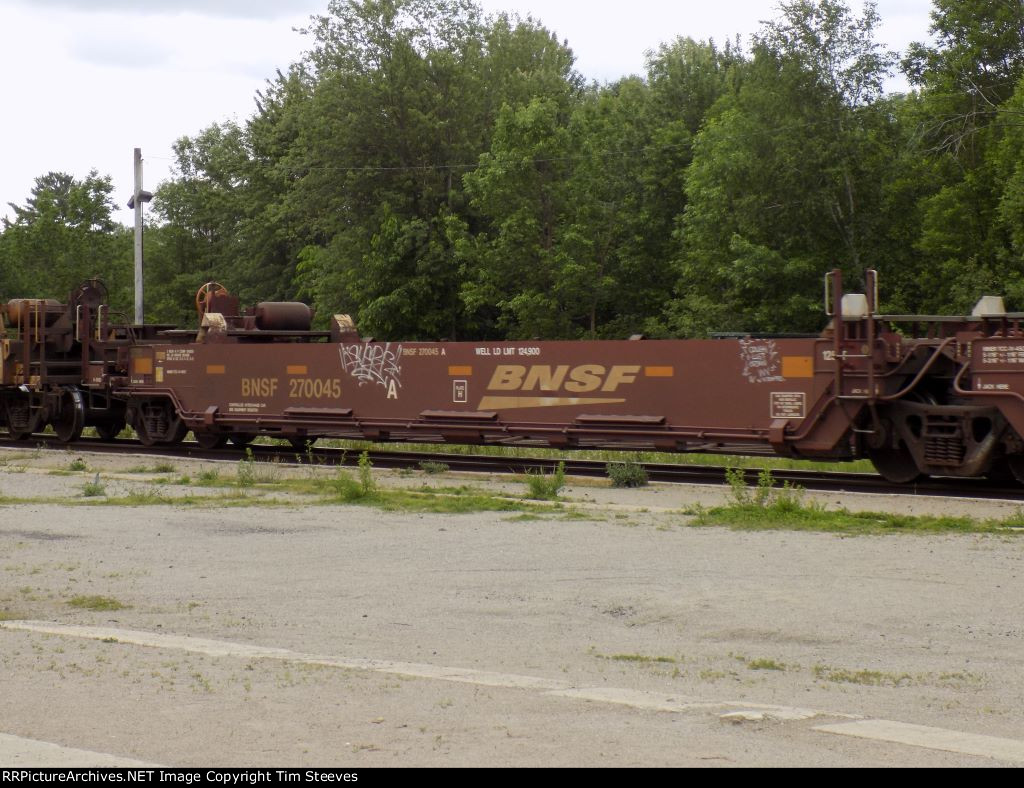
x,y
86,81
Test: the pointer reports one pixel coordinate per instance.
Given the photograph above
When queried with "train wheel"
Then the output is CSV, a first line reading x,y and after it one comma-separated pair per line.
x,y
177,434
108,430
243,439
1001,472
71,419
211,440
895,465
1015,463
144,435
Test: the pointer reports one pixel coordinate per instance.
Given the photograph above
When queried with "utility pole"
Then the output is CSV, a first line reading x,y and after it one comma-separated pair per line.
x,y
138,198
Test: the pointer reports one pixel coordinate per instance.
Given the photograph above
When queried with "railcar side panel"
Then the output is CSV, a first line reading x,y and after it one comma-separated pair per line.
x,y
916,394
618,391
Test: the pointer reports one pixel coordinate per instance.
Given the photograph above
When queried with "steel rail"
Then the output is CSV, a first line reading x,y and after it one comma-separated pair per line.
x,y
674,473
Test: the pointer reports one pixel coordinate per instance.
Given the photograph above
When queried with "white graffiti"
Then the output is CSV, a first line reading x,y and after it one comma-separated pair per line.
x,y
374,363
760,359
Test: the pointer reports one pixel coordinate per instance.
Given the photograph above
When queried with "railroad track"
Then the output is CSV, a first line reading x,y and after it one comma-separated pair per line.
x,y
477,463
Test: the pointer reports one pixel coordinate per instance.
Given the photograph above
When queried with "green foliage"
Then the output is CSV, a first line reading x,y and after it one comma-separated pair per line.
x,y
246,472
94,488
738,490
765,663
96,603
65,230
366,480
627,474
787,176
355,490
438,173
432,467
545,487
252,471
766,506
208,476
765,495
405,101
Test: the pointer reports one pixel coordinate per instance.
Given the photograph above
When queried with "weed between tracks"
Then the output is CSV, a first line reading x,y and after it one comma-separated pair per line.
x,y
545,487
767,507
266,484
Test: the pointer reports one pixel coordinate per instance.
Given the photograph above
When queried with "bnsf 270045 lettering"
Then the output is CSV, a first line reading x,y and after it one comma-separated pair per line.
x,y
916,394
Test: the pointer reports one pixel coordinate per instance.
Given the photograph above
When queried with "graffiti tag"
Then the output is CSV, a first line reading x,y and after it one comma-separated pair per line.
x,y
374,363
760,359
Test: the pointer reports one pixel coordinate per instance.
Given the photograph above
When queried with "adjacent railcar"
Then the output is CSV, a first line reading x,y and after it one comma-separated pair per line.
x,y
917,394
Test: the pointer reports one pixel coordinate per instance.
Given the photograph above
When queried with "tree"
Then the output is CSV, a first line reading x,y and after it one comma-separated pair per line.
x,y
970,71
787,175
405,101
225,214
62,235
521,187
966,137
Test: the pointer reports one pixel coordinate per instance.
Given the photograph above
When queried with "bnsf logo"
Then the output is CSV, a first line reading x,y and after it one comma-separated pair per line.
x,y
581,379
259,387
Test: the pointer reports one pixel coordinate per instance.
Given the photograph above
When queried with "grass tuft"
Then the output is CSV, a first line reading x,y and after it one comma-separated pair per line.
x,y
252,471
94,488
96,603
361,488
871,678
767,507
627,474
765,663
545,487
642,658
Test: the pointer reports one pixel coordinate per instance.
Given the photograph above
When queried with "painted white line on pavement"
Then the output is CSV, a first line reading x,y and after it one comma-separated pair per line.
x,y
640,699
19,753
1011,750
553,687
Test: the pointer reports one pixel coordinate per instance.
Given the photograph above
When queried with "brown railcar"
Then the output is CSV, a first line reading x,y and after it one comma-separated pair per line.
x,y
917,394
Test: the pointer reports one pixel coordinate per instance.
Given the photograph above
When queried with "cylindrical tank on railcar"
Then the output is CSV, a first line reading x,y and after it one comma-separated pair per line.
x,y
283,316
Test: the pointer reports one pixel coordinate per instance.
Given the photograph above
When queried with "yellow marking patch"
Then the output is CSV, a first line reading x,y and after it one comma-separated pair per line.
x,y
797,367
215,369
298,369
659,372
142,366
460,372
159,374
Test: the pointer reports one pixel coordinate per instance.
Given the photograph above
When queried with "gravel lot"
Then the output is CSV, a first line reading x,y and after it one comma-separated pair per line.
x,y
615,635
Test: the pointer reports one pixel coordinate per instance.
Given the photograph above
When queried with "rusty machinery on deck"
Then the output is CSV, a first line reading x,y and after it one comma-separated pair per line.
x,y
916,394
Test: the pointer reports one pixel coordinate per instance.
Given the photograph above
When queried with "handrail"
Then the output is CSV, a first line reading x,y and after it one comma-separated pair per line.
x,y
972,393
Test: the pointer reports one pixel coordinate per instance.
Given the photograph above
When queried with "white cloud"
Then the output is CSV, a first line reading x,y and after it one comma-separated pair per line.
x,y
118,48
610,37
246,9
89,80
